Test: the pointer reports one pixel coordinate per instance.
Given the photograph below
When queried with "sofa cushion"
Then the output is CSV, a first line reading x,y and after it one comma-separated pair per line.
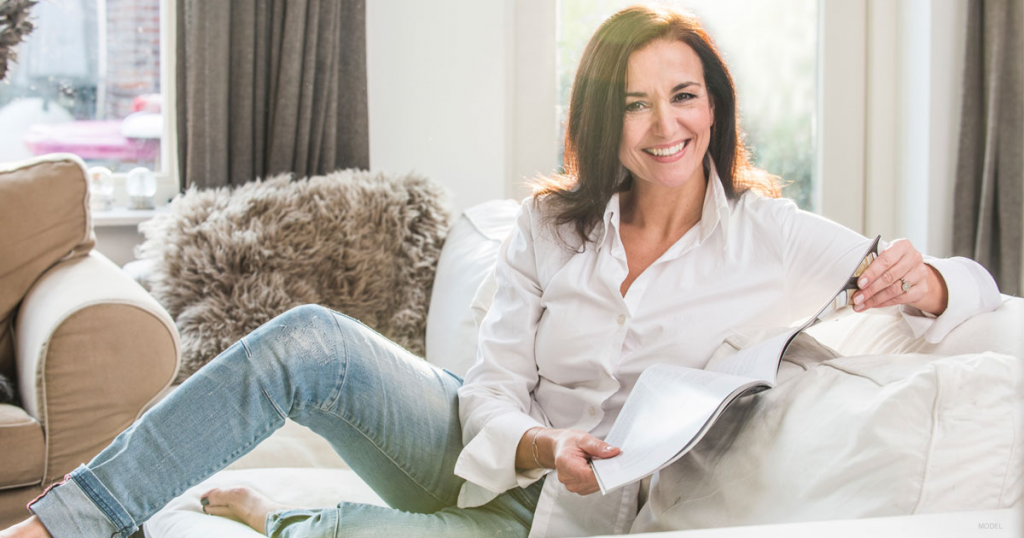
x,y
44,216
885,332
183,517
227,261
855,437
21,443
468,255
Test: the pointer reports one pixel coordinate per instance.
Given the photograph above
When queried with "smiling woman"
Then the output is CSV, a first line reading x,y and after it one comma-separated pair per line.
x,y
672,246
772,52
600,148
666,123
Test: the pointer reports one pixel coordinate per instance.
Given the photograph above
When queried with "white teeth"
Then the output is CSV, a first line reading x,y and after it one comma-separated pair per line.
x,y
665,152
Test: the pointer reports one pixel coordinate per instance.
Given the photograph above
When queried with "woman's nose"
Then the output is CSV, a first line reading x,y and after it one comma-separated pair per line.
x,y
664,122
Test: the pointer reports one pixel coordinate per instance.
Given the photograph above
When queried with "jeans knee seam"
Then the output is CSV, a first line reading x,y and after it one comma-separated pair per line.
x,y
263,388
344,358
401,468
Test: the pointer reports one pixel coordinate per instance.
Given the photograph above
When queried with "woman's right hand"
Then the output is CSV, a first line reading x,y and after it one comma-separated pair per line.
x,y
569,452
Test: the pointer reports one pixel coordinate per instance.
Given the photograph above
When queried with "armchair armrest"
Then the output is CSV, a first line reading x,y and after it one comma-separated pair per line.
x,y
92,350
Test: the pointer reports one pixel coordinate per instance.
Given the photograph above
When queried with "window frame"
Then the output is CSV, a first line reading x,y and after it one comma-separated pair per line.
x,y
167,176
167,179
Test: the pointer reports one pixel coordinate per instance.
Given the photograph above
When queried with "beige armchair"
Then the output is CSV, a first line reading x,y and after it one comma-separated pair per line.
x,y
88,348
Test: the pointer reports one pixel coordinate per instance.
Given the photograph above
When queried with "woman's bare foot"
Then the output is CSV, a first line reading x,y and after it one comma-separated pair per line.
x,y
240,504
30,528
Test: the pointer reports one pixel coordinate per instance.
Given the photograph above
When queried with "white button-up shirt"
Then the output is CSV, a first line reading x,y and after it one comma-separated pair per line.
x,y
561,347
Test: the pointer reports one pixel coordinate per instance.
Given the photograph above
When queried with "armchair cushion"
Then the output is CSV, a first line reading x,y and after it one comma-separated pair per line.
x,y
21,442
44,216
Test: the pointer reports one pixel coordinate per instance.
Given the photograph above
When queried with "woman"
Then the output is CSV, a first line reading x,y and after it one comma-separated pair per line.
x,y
651,246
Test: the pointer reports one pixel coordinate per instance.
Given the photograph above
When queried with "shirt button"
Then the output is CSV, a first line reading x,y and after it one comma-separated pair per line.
x,y
622,319
591,410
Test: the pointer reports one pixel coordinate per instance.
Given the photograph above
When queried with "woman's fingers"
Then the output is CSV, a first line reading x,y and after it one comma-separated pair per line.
x,y
882,282
575,473
918,277
572,460
597,448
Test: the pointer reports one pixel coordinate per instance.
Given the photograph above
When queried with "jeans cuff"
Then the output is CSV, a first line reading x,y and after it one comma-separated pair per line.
x,y
82,506
302,522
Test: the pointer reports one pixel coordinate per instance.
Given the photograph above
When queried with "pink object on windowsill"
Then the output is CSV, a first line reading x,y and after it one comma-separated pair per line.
x,y
96,140
149,102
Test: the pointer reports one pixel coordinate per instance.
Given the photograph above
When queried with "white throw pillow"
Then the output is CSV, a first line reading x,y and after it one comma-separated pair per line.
x,y
880,333
854,437
468,255
183,517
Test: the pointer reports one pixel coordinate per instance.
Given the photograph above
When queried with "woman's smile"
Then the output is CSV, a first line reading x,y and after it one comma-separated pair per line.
x,y
667,153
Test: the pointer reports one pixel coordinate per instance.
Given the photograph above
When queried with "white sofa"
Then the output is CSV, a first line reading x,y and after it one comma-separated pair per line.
x,y
296,467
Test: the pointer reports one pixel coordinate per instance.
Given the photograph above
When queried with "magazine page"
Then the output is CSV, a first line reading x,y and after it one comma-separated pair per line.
x,y
668,407
671,407
761,361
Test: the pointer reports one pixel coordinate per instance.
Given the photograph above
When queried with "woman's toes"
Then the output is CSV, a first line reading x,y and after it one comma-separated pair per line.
x,y
240,504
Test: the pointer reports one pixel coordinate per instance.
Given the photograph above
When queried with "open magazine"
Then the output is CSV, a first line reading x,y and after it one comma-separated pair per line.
x,y
672,407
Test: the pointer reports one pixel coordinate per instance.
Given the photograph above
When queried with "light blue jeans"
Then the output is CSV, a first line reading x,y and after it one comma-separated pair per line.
x,y
391,416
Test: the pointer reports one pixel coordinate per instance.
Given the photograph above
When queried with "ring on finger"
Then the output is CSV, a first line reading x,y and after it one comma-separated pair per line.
x,y
906,285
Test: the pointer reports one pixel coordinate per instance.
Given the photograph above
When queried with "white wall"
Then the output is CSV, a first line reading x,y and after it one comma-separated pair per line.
x,y
438,92
948,35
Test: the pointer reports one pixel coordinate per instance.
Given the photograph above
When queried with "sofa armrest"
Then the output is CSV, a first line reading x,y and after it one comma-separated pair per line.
x,y
92,349
884,334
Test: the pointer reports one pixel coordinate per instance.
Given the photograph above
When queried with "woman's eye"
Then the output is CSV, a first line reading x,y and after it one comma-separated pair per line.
x,y
681,97
635,106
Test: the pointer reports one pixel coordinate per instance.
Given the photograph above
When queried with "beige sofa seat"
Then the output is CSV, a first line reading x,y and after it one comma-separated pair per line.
x,y
21,440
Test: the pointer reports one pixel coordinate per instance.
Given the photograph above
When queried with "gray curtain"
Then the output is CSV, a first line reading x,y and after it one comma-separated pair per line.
x,y
989,195
270,86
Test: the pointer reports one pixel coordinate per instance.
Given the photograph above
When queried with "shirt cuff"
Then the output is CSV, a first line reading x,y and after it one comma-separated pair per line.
x,y
489,460
971,291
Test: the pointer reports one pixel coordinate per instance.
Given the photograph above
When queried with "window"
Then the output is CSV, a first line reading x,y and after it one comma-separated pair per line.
x,y
88,81
772,51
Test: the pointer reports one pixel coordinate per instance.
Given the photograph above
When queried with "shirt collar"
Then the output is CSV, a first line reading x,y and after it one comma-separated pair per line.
x,y
716,206
715,211
610,218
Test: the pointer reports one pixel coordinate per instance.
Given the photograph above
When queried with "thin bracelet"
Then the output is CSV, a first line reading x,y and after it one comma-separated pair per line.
x,y
536,459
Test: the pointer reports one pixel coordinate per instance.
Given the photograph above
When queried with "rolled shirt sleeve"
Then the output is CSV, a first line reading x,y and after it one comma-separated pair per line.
x,y
814,247
496,405
972,290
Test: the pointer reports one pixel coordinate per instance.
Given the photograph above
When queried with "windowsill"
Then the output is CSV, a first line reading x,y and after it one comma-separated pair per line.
x,y
122,216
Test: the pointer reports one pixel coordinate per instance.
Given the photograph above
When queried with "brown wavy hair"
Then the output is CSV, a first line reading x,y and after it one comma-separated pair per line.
x,y
592,172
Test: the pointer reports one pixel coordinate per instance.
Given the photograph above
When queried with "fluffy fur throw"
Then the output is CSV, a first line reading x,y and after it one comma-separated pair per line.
x,y
226,261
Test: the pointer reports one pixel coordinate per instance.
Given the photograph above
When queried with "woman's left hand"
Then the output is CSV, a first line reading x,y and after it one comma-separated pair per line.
x,y
899,276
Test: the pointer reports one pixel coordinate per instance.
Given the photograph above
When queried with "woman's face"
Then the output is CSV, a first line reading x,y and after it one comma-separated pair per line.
x,y
666,126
